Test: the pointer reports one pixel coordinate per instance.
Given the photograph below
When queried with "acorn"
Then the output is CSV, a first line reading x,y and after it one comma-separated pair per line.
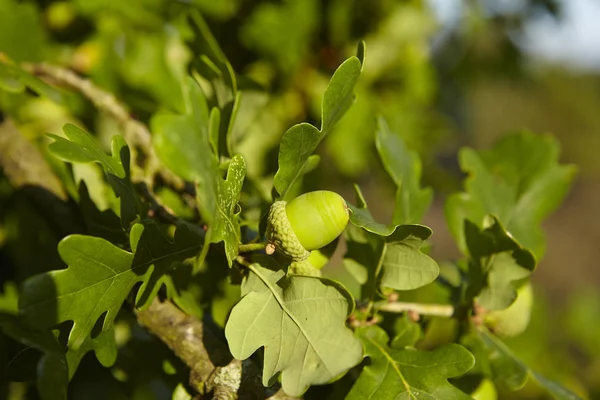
x,y
306,223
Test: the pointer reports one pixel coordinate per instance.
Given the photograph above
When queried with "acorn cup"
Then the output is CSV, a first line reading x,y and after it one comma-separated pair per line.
x,y
304,225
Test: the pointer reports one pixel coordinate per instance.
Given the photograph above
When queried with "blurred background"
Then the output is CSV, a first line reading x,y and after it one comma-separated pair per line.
x,y
444,73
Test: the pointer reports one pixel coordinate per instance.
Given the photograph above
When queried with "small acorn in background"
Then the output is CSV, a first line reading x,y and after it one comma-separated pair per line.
x,y
305,224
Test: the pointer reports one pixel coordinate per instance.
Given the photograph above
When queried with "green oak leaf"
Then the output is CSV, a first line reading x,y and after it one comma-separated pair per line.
x,y
408,373
497,262
55,367
390,256
404,266
105,224
407,331
404,167
300,141
226,227
81,147
103,345
184,144
361,216
509,371
300,322
213,65
52,368
99,278
519,181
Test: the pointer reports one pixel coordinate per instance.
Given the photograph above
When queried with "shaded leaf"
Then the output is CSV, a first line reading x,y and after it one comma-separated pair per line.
x,y
300,322
506,369
408,373
497,261
216,68
99,277
405,267
103,345
408,332
81,147
184,144
404,167
300,141
391,255
519,181
52,369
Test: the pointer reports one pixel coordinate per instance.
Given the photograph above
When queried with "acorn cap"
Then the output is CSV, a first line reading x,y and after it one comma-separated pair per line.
x,y
281,235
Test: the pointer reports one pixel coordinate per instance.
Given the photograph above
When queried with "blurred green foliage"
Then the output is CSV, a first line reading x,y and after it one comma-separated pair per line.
x,y
438,89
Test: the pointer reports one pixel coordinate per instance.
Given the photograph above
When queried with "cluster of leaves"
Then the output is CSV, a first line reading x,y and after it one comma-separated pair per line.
x,y
128,252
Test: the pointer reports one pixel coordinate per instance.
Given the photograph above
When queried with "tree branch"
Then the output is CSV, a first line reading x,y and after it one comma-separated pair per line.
x,y
189,339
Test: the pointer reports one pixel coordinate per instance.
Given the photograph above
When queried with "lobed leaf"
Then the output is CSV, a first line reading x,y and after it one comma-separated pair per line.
x,y
52,368
214,66
388,256
408,373
300,141
186,144
226,227
81,147
519,180
497,262
405,267
99,277
408,332
361,216
300,322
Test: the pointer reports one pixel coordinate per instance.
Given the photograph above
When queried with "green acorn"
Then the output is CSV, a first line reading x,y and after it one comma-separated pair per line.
x,y
307,223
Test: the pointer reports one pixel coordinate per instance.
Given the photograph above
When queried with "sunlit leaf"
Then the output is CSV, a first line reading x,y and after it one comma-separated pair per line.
x,y
393,256
519,181
99,277
300,322
408,373
300,141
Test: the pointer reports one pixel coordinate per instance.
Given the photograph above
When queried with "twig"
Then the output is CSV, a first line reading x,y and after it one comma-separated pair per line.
x,y
135,132
186,336
247,248
438,310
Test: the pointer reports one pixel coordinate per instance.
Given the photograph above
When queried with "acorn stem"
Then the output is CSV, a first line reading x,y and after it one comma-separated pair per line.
x,y
437,310
248,247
